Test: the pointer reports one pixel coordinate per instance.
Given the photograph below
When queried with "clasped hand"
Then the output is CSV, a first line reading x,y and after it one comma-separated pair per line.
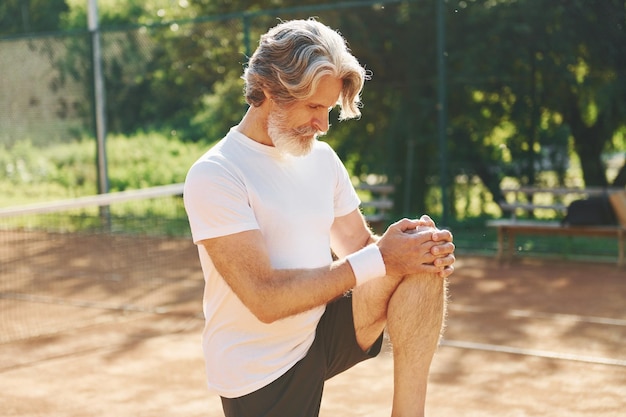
x,y
414,246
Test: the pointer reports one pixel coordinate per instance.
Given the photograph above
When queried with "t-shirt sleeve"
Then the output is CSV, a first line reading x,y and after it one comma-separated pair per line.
x,y
346,198
216,202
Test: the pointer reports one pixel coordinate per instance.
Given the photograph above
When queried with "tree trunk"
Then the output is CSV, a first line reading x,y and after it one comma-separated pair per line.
x,y
589,142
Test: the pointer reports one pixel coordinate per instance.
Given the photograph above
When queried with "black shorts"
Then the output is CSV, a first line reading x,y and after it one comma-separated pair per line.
x,y
298,393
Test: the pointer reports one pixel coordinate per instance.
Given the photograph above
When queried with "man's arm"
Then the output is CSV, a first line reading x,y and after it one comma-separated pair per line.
x,y
350,233
272,294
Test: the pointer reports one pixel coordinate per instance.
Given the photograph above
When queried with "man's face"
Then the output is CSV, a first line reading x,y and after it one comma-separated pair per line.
x,y
294,128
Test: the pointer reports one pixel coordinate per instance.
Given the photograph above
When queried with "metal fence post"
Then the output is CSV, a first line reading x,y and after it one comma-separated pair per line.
x,y
99,97
442,109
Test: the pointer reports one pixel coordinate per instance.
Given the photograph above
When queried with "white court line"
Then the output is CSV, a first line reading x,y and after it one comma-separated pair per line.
x,y
572,318
532,352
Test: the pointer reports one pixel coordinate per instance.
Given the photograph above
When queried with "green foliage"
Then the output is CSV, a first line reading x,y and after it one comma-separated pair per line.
x,y
149,159
532,87
550,72
33,175
218,111
24,16
110,12
29,174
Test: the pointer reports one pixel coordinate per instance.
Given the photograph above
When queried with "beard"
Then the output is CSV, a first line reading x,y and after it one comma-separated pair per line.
x,y
291,141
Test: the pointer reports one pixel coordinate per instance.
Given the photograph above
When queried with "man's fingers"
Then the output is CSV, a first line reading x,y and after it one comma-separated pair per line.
x,y
427,220
447,271
443,235
405,225
443,249
444,261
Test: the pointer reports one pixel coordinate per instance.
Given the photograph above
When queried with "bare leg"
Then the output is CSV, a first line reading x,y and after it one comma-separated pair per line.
x,y
370,303
414,321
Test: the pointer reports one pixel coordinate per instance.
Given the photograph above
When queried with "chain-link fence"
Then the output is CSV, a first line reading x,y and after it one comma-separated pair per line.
x,y
168,77
39,102
47,85
184,78
526,87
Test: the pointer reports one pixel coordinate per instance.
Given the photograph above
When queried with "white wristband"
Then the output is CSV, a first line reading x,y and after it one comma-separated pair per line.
x,y
367,264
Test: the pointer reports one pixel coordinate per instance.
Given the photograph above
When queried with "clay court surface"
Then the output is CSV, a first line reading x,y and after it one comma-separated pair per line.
x,y
535,338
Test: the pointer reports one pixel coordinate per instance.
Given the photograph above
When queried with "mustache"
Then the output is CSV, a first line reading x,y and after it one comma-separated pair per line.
x,y
307,131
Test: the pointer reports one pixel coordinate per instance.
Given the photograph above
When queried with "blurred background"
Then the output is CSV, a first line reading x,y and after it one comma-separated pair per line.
x,y
466,97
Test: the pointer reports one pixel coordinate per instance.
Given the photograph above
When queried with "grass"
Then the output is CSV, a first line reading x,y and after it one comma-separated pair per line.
x,y
31,174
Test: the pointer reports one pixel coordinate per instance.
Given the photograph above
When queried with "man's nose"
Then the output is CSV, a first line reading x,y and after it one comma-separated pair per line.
x,y
320,123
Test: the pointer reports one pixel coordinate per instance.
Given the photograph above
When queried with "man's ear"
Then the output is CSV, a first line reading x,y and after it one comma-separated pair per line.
x,y
267,94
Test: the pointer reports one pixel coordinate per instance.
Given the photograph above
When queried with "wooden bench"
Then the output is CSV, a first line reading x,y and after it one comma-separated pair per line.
x,y
509,229
377,208
558,198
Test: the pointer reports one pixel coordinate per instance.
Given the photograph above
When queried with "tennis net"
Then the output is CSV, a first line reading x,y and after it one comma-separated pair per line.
x,y
64,263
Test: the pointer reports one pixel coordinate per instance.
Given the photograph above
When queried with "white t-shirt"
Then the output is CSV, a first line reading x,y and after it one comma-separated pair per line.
x,y
242,185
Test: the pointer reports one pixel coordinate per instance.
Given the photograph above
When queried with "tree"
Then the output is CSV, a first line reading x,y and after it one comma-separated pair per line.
x,y
28,16
397,137
595,105
528,75
166,63
529,82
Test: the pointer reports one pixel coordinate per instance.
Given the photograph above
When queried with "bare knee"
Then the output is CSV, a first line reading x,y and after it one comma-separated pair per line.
x,y
419,302
426,289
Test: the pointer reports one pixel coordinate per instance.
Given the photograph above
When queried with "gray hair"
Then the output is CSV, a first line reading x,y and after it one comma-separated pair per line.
x,y
291,59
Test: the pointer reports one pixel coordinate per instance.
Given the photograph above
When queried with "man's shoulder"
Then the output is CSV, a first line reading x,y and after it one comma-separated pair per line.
x,y
323,148
214,162
322,145
326,153
218,151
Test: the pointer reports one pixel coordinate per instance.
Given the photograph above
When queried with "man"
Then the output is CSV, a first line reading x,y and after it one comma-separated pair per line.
x,y
266,206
